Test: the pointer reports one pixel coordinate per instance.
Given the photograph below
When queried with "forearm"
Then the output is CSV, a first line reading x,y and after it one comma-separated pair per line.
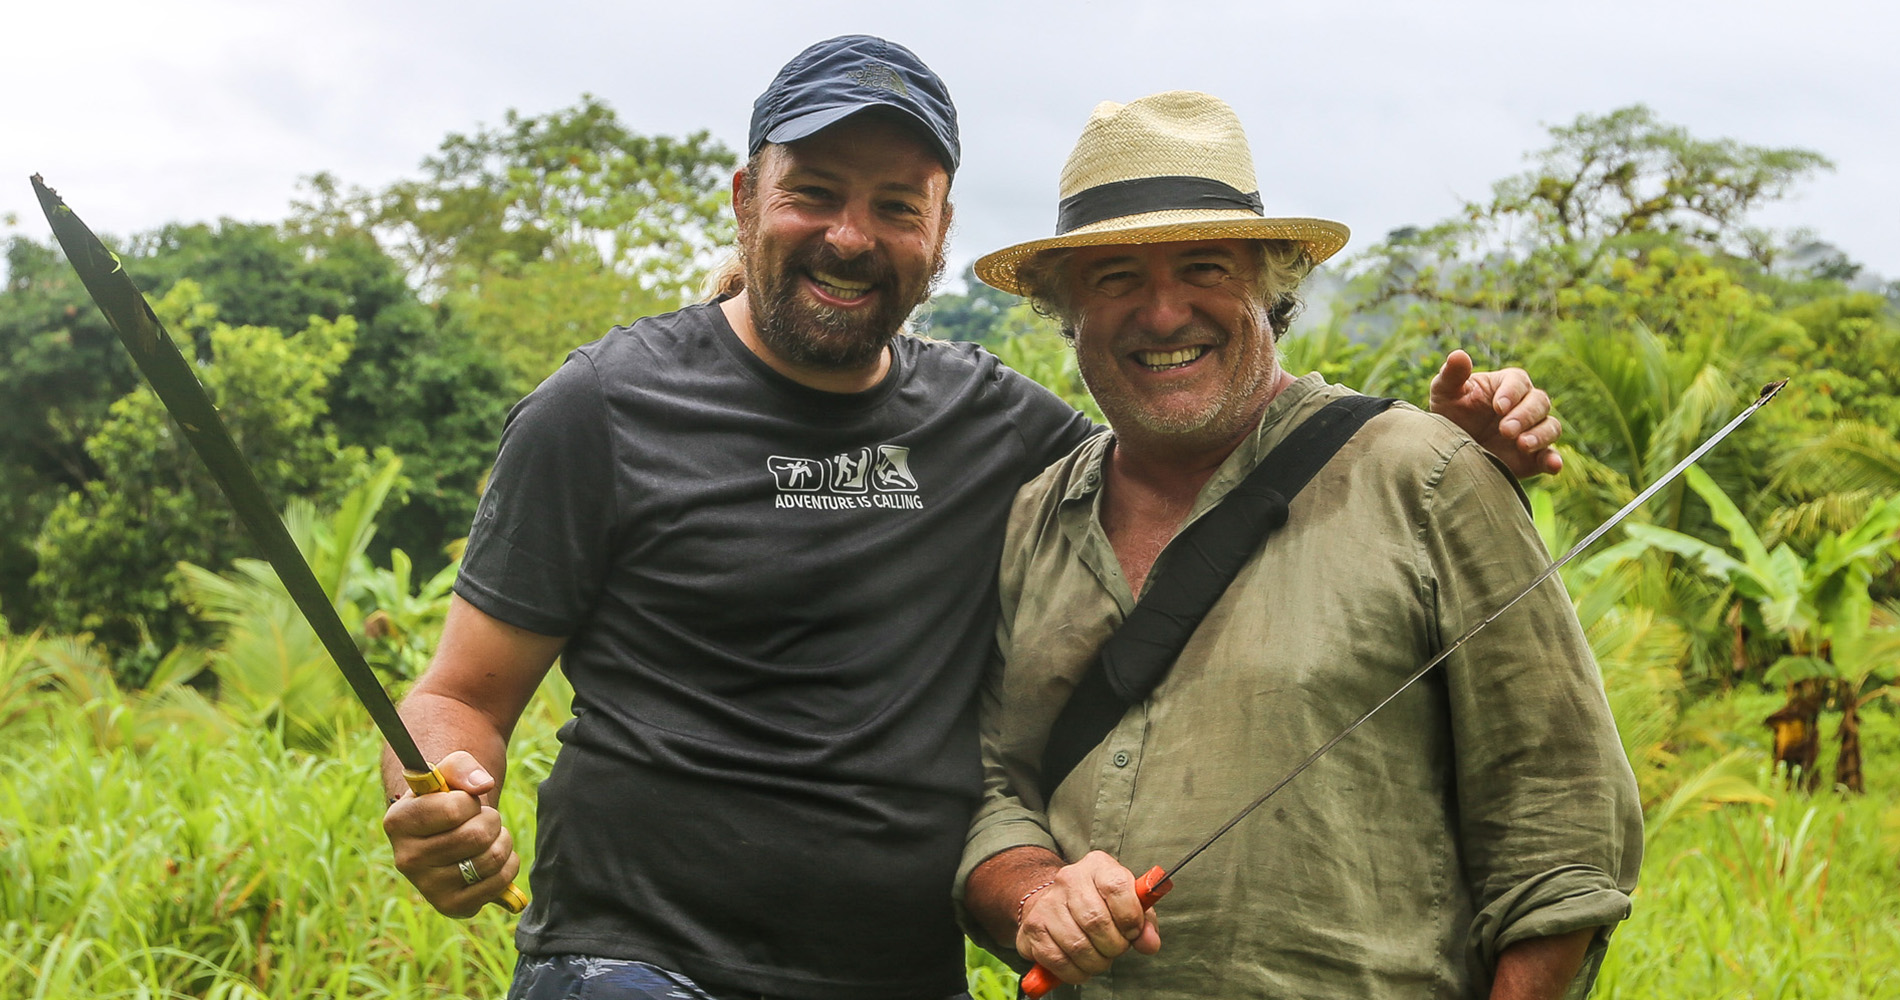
x,y
996,887
469,699
442,724
1540,968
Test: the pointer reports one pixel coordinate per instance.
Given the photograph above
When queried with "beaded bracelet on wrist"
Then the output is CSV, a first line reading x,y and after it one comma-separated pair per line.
x,y
1023,902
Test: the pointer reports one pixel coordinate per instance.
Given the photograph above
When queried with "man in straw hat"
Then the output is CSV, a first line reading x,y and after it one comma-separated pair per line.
x,y
761,535
1482,833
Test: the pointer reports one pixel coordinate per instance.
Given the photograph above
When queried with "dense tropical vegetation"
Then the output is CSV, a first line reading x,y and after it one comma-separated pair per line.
x,y
188,804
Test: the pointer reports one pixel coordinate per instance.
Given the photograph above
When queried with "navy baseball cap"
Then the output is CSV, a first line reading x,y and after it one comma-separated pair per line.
x,y
840,77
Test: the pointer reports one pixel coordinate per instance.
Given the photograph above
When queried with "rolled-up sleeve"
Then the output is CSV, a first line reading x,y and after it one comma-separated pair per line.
x,y
1550,821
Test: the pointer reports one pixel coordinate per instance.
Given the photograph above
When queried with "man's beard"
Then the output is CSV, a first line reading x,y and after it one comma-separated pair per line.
x,y
810,335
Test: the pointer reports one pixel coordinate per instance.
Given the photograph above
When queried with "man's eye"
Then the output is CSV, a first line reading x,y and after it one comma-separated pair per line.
x,y
1115,283
1205,274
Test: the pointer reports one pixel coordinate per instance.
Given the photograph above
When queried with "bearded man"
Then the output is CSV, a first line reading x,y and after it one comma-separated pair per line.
x,y
1479,836
761,535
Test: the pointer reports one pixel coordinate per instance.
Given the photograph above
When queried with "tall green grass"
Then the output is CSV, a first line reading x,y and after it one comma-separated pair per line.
x,y
197,862
1797,900
219,868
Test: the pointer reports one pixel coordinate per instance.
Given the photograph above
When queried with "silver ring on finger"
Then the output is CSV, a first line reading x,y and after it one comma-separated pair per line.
x,y
469,875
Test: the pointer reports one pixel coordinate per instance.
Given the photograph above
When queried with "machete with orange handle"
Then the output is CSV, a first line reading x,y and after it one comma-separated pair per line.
x,y
170,375
1157,881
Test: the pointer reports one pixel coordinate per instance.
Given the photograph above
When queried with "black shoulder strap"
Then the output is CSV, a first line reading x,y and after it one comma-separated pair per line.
x,y
1192,573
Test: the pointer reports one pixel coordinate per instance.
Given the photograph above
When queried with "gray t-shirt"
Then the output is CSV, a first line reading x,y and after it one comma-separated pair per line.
x,y
778,603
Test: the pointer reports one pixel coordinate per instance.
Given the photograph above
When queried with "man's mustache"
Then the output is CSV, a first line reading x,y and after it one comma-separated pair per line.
x,y
870,266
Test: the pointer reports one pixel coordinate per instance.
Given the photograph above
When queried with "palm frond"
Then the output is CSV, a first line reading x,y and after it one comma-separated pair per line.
x,y
1702,404
1730,780
1832,513
1851,457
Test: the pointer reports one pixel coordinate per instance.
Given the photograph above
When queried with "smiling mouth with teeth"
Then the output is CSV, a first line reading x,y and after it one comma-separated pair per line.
x,y
840,288
1160,361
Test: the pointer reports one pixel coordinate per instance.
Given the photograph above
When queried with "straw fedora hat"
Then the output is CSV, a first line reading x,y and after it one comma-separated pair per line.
x,y
1170,166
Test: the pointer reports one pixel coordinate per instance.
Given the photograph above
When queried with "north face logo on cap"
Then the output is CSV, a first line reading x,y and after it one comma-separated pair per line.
x,y
878,76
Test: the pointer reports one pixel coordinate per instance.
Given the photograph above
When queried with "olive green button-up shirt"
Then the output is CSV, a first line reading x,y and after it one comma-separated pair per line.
x,y
1488,804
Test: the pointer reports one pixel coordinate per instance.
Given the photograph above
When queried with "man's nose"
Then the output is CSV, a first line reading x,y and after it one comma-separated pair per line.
x,y
850,233
1166,306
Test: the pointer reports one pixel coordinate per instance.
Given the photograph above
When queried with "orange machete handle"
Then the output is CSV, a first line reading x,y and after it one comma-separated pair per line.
x,y
1149,888
512,898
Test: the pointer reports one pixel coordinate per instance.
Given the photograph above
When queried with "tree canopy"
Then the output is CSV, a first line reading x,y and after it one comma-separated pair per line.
x,y
417,314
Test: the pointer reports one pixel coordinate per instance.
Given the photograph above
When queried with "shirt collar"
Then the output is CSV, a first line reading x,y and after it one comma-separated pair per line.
x,y
1080,512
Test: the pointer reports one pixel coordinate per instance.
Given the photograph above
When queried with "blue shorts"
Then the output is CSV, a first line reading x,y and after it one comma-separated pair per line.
x,y
580,977
583,977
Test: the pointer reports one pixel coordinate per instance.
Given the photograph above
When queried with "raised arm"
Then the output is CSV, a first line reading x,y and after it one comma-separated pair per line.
x,y
462,712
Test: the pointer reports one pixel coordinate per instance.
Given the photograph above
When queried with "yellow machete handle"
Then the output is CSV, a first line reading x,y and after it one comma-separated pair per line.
x,y
512,898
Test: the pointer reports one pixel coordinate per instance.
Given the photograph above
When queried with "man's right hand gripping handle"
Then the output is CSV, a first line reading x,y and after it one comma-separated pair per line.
x,y
1148,889
449,845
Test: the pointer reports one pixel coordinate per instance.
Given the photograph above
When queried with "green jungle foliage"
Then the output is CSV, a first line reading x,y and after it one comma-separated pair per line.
x,y
972,314
106,553
1752,890
537,236
188,798
413,316
1622,272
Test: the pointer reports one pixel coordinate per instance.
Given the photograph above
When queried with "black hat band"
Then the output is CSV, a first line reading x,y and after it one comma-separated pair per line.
x,y
1151,194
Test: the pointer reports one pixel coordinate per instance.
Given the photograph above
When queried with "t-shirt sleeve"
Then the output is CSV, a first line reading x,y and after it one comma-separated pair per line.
x,y
538,550
1049,426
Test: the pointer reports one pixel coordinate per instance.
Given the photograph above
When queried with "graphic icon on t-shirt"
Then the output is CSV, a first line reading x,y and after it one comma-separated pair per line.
x,y
798,475
852,469
877,478
892,472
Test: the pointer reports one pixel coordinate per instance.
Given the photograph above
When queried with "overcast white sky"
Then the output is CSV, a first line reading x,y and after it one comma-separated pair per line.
x,y
1378,114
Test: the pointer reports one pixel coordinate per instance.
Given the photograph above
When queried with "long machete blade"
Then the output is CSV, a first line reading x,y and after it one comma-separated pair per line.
x,y
177,386
170,376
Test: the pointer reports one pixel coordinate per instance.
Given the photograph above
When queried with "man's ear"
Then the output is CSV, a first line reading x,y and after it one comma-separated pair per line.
x,y
738,198
944,226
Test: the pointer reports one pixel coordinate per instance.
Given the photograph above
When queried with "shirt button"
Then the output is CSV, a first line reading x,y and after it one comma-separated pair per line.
x,y
1121,758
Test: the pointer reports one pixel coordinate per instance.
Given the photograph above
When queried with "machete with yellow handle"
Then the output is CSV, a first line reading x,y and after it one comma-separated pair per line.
x,y
1158,880
170,375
